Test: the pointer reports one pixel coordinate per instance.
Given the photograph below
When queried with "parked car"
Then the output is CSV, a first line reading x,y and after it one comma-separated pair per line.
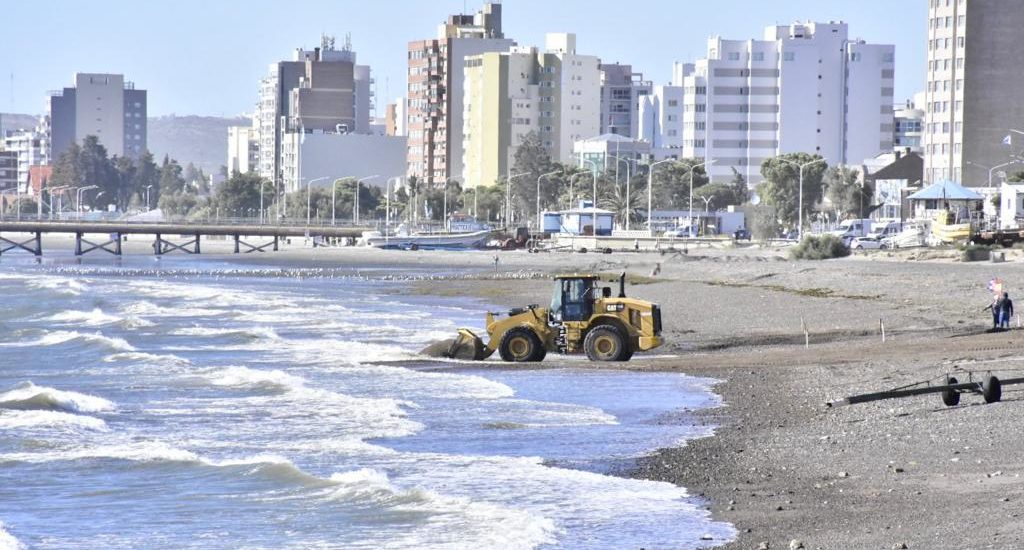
x,y
741,235
790,235
677,233
870,242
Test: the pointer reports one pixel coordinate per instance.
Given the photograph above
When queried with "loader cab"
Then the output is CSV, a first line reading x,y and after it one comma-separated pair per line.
x,y
573,298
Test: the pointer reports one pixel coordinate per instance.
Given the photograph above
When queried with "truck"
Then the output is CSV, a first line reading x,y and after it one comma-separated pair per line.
x,y
851,229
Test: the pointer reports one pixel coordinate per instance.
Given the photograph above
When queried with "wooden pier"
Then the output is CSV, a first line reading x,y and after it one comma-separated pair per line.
x,y
188,236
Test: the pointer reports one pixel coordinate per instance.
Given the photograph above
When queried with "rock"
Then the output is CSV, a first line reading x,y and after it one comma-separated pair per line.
x,y
899,546
844,474
706,536
763,546
796,544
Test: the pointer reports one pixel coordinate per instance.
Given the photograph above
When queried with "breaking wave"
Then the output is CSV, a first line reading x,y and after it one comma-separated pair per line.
x,y
14,419
62,336
30,397
7,540
252,333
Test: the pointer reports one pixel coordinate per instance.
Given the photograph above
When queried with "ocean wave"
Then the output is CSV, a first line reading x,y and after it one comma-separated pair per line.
x,y
13,419
61,336
30,397
274,381
61,285
149,309
152,358
437,384
7,540
251,333
93,318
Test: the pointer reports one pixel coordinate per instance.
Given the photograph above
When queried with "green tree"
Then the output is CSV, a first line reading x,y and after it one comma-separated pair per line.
x,y
849,197
147,176
489,202
240,194
739,186
1016,177
127,178
781,186
715,195
672,183
532,160
66,171
171,178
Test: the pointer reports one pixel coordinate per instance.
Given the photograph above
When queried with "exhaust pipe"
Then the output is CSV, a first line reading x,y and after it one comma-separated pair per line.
x,y
622,285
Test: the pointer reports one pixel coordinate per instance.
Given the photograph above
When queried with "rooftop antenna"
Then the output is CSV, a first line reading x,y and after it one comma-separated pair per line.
x,y
348,42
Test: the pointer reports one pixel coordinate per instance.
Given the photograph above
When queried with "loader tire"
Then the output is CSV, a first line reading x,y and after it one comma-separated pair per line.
x,y
520,345
605,343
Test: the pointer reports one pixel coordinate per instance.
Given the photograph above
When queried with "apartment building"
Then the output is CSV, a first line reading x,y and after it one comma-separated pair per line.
x,y
555,93
102,105
621,92
804,87
973,88
243,149
30,148
660,121
908,120
435,91
318,90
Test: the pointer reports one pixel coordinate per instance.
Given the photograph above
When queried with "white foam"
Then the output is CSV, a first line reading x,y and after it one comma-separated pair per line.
x,y
7,540
48,419
252,379
61,336
149,309
93,318
251,332
142,451
62,285
28,396
149,358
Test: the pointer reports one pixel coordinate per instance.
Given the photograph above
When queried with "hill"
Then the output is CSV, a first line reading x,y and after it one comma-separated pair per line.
x,y
17,121
201,140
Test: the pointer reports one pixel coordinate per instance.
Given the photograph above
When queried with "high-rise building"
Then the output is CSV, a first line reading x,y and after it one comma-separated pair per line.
x,y
555,93
30,147
318,90
101,105
973,88
8,173
621,91
394,118
243,149
660,121
806,87
908,123
435,91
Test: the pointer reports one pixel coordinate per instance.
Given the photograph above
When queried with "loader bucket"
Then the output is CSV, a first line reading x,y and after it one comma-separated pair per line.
x,y
465,345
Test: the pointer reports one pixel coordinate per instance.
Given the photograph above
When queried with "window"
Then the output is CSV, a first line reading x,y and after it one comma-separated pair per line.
x,y
758,56
854,56
788,56
734,56
673,103
889,57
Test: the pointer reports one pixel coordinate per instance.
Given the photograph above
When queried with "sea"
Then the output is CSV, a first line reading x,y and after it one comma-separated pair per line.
x,y
193,402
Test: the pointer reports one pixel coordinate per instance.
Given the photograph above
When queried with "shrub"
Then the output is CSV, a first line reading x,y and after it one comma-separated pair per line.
x,y
820,247
975,253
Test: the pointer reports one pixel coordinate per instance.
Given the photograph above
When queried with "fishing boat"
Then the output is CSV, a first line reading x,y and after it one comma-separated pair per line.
x,y
404,241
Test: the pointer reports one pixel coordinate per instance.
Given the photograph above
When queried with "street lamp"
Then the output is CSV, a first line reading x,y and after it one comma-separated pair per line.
x,y
593,207
572,179
309,184
387,207
147,197
650,196
542,176
60,188
994,168
3,206
508,196
263,183
800,197
689,211
628,177
355,206
79,196
707,203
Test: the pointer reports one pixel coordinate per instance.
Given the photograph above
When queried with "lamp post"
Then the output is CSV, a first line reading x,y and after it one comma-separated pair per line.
x,y
650,196
79,196
334,190
689,211
994,168
619,159
593,207
147,197
508,196
309,185
355,205
542,176
3,206
707,203
446,183
387,207
572,179
59,188
800,196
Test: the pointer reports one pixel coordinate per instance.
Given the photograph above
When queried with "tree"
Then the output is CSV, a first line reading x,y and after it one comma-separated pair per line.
x,y
171,179
781,186
489,201
672,183
147,175
739,186
715,195
847,194
532,160
240,193
66,170
764,223
1016,177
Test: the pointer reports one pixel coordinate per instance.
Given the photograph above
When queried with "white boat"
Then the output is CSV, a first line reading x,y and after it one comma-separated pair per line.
x,y
404,241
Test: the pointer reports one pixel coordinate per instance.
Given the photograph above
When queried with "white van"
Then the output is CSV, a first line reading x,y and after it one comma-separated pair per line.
x,y
884,230
851,229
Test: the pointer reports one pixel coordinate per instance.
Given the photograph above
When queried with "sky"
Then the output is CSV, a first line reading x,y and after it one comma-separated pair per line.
x,y
206,57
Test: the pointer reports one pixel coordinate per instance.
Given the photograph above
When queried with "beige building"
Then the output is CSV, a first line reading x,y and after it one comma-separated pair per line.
x,y
555,93
973,89
243,149
435,103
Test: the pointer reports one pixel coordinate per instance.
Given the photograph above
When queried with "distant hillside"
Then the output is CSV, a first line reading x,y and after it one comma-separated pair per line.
x,y
201,140
15,121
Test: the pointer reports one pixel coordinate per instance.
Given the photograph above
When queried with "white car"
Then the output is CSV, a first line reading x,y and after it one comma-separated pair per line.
x,y
676,233
871,242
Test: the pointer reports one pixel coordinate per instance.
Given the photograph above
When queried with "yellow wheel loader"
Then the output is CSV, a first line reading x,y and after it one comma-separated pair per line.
x,y
583,318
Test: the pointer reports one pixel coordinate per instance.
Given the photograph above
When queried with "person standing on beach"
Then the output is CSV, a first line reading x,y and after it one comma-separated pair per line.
x,y
1005,310
994,306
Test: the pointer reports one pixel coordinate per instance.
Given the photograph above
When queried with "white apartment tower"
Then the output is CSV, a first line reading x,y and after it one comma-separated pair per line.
x,y
555,93
973,90
806,87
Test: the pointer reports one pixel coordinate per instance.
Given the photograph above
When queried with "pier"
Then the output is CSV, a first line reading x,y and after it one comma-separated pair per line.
x,y
186,237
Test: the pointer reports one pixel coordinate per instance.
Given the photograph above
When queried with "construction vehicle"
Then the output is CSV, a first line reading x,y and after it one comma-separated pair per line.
x,y
583,318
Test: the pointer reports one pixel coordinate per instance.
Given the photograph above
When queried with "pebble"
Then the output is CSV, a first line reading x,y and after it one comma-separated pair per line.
x,y
796,544
844,474
763,546
706,536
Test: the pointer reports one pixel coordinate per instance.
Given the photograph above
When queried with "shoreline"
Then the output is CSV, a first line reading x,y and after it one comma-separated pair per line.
x,y
781,466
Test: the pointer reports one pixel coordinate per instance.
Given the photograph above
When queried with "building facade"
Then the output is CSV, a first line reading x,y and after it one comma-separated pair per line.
x,y
101,105
318,90
8,171
30,147
805,87
908,120
621,93
973,89
320,158
435,101
660,123
555,93
243,149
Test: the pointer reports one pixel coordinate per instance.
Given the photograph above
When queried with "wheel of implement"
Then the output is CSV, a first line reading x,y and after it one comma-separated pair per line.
x,y
604,343
951,398
627,353
992,389
520,345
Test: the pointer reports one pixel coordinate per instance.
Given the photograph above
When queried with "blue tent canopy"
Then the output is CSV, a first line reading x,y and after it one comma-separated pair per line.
x,y
946,190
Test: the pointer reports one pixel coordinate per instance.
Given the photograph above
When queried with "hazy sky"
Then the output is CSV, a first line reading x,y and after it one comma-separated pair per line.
x,y
207,56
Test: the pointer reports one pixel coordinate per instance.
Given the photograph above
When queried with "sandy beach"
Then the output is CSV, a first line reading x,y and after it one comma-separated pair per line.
x,y
782,467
